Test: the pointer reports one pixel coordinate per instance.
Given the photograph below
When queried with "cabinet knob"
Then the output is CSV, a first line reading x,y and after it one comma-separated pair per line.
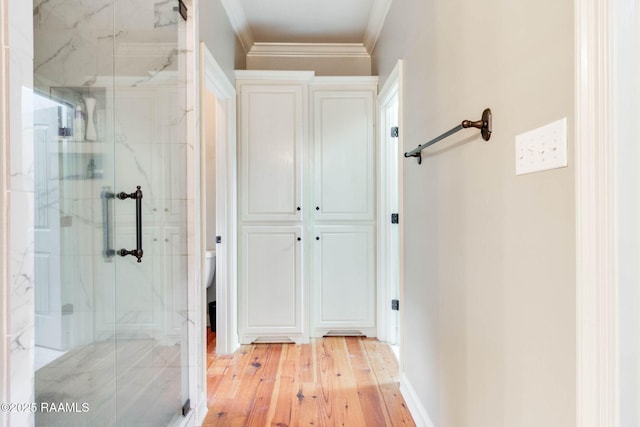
x,y
317,238
298,208
317,208
299,238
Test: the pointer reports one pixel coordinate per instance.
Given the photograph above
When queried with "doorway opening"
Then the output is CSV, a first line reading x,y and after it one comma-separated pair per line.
x,y
218,202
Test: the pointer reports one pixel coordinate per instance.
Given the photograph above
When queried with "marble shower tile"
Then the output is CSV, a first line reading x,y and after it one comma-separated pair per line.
x,y
83,15
73,37
21,262
21,27
21,123
22,303
135,116
170,128
140,164
175,171
165,15
137,15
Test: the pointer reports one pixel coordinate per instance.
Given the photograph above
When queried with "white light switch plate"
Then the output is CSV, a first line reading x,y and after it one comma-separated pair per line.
x,y
542,149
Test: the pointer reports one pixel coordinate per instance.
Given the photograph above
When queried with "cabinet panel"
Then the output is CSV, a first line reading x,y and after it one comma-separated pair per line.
x,y
344,279
270,282
344,155
271,141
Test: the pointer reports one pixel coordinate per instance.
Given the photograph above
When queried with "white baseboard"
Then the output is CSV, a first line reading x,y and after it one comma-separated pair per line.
x,y
416,408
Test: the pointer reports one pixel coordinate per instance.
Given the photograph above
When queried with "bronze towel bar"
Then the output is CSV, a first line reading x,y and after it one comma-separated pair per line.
x,y
484,124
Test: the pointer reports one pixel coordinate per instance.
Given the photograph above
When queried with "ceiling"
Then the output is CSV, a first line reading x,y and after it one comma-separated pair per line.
x,y
277,22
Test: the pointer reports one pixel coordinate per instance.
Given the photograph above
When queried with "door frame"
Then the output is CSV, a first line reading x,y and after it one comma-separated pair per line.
x,y
596,282
216,81
393,86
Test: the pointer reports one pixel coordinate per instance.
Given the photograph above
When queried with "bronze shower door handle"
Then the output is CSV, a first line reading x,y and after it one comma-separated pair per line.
x,y
137,252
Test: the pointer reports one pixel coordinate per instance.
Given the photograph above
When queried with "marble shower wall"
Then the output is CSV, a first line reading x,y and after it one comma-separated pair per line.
x,y
127,55
77,40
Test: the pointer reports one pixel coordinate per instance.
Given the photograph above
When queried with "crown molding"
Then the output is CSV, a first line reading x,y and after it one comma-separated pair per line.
x,y
238,20
309,50
377,17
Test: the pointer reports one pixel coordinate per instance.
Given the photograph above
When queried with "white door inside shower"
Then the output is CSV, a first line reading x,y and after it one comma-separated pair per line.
x,y
47,268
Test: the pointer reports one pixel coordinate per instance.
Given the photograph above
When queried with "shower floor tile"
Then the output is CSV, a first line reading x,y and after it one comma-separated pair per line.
x,y
128,382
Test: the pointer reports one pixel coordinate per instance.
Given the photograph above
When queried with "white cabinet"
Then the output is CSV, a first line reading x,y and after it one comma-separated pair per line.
x,y
306,165
270,274
343,279
343,198
343,154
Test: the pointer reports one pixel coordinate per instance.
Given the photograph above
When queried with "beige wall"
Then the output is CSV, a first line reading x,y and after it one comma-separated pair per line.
x,y
210,158
489,300
323,66
218,34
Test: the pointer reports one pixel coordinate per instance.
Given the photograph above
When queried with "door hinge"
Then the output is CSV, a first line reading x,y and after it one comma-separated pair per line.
x,y
395,218
66,221
395,305
395,132
186,407
182,9
67,309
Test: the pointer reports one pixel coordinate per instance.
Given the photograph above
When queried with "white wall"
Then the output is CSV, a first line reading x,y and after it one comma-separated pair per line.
x,y
489,299
627,129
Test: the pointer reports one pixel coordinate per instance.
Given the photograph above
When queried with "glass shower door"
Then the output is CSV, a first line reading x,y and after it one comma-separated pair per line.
x,y
111,227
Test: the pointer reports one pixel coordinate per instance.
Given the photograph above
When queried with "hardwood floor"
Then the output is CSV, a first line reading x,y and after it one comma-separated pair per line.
x,y
333,381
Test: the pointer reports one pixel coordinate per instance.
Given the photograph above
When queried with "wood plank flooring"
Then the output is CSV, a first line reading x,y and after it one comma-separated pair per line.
x,y
333,381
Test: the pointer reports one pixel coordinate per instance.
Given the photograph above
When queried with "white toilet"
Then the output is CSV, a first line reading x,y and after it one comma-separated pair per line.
x,y
210,282
210,267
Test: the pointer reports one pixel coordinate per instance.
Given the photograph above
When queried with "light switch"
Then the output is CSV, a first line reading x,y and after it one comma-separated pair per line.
x,y
542,149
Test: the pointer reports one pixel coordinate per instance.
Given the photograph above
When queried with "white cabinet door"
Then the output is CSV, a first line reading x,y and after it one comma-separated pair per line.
x,y
271,140
270,283
343,155
343,279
